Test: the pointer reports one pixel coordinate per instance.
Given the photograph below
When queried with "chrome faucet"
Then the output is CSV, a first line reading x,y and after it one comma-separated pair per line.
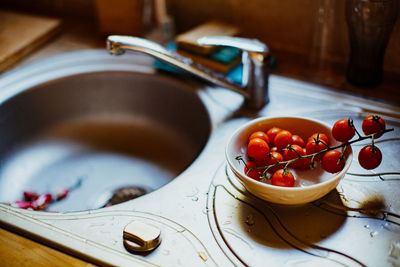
x,y
255,60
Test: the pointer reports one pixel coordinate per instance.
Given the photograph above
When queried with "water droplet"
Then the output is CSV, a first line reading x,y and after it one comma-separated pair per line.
x,y
205,210
366,226
227,222
373,233
166,252
195,198
250,220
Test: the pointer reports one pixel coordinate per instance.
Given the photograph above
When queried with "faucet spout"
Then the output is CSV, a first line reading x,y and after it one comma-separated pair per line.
x,y
255,60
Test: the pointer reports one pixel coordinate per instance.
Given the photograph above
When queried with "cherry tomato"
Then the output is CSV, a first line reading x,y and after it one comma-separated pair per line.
x,y
333,161
373,124
283,139
283,177
271,133
343,130
261,135
258,149
293,152
255,174
320,136
370,157
297,140
314,147
274,157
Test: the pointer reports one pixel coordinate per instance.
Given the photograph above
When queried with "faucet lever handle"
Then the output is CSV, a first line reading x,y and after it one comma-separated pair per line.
x,y
245,44
255,60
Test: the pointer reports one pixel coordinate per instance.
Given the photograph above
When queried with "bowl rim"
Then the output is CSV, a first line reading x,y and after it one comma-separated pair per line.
x,y
335,176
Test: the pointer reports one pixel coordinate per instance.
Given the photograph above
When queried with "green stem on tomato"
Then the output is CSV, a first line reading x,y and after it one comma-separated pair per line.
x,y
312,162
285,171
342,154
291,148
351,124
320,141
240,158
376,118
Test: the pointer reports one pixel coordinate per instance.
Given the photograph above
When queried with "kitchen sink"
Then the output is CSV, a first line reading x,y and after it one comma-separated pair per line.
x,y
103,130
101,124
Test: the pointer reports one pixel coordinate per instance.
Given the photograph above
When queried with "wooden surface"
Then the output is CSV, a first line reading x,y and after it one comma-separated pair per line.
x,y
16,250
75,35
123,17
20,34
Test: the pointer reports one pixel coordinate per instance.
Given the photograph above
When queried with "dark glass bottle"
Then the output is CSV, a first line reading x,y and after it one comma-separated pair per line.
x,y
370,23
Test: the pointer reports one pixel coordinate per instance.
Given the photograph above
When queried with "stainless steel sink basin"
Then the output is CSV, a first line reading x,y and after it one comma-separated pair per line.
x,y
104,130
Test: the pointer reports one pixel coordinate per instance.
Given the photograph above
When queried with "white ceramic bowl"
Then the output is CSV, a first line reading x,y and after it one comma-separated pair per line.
x,y
304,127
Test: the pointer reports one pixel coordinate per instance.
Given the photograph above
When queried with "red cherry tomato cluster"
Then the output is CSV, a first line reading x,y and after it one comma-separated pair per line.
x,y
369,156
273,152
267,149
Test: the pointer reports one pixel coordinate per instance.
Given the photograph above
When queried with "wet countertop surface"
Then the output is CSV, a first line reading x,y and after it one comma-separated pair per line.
x,y
364,207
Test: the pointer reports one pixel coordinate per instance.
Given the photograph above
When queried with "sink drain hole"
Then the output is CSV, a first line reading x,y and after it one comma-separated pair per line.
x,y
124,194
